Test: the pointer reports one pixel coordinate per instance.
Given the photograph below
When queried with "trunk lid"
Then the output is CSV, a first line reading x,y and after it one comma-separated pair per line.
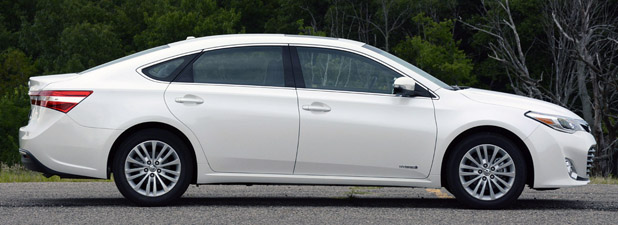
x,y
40,82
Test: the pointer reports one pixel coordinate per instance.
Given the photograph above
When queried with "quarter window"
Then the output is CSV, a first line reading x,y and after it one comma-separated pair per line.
x,y
243,65
167,71
340,70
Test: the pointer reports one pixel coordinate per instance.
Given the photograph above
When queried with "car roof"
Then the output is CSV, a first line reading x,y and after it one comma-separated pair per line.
x,y
233,39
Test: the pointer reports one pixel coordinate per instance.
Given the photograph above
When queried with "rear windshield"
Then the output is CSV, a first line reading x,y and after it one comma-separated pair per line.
x,y
126,58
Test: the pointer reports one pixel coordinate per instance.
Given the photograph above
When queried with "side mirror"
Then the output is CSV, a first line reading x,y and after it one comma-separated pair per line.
x,y
404,86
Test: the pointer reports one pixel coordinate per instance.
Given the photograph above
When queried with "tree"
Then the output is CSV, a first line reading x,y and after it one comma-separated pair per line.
x,y
171,23
590,30
254,13
581,41
5,35
506,47
86,45
389,16
435,51
40,38
14,108
15,69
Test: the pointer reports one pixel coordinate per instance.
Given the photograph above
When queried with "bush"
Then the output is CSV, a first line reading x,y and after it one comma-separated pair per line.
x,y
14,108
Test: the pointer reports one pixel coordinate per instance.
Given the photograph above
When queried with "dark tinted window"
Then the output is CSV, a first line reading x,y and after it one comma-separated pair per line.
x,y
340,70
243,65
166,71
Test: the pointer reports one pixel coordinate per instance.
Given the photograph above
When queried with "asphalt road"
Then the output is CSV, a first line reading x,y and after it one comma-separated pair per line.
x,y
101,203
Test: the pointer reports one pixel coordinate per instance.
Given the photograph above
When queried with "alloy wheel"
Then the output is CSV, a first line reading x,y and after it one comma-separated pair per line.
x,y
152,168
487,172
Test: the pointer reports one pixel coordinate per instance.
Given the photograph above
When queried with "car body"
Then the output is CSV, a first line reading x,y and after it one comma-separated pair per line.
x,y
289,109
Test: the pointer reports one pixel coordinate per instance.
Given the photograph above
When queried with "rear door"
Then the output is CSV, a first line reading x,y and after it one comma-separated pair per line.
x,y
242,107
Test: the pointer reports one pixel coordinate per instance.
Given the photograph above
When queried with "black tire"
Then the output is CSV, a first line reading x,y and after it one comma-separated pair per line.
x,y
186,167
456,186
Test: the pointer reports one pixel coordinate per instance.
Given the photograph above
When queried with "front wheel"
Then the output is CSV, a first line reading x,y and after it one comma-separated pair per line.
x,y
486,171
152,167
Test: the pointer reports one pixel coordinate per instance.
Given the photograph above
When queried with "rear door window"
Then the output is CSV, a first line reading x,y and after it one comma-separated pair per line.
x,y
259,65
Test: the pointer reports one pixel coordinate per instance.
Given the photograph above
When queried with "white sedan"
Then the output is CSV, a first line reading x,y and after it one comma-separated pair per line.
x,y
289,109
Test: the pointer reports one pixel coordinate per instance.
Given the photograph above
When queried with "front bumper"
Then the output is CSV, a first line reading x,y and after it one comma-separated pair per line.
x,y
549,149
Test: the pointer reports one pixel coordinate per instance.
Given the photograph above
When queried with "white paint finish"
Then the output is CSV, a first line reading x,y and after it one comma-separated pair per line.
x,y
516,101
548,150
120,100
456,114
368,135
67,147
242,128
346,138
40,82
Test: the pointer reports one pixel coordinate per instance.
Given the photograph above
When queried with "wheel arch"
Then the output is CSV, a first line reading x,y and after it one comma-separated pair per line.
x,y
491,129
150,125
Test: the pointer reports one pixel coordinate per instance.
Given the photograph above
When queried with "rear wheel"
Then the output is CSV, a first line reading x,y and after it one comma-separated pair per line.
x,y
152,167
486,171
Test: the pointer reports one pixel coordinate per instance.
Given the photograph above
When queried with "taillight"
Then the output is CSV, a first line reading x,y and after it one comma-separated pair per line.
x,y
62,101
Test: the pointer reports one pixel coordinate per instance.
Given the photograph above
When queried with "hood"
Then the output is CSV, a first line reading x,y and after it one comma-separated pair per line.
x,y
516,101
40,82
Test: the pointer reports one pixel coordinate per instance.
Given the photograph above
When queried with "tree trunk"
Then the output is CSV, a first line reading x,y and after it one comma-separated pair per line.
x,y
584,97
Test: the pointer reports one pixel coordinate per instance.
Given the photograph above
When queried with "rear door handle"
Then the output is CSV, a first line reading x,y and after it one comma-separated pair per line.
x,y
190,99
316,108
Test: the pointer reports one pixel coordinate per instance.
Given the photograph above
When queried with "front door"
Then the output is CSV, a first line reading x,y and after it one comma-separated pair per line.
x,y
352,125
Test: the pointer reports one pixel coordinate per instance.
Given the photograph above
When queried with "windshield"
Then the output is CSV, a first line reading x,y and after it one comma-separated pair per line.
x,y
126,58
409,66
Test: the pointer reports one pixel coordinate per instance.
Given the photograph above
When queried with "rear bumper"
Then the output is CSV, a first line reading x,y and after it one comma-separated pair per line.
x,y
32,163
56,145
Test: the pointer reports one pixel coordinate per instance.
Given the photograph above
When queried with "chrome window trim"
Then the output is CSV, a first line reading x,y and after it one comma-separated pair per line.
x,y
359,93
233,85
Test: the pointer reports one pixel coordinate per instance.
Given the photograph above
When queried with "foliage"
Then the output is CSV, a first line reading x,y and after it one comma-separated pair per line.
x,y
435,51
62,36
14,108
5,36
170,22
77,52
308,30
18,173
15,69
41,37
604,180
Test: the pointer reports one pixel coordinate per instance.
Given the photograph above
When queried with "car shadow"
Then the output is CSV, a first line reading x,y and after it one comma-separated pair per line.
x,y
438,203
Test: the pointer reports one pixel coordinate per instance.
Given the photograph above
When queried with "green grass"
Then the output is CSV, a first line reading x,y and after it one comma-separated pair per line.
x,y
604,180
18,173
356,191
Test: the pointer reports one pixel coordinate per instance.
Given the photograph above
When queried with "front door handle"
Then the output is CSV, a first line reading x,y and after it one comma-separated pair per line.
x,y
189,99
316,108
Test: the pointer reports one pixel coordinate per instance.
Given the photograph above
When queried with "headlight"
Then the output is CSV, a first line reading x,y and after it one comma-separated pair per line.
x,y
559,123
